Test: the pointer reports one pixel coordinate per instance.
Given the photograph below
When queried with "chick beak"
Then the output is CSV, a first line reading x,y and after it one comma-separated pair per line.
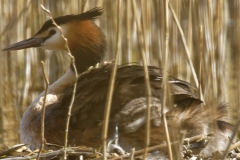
x,y
31,42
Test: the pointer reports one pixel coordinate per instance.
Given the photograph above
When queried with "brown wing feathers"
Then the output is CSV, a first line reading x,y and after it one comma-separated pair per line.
x,y
92,89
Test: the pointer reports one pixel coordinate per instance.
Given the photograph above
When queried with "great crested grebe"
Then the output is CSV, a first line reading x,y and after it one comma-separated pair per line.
x,y
88,45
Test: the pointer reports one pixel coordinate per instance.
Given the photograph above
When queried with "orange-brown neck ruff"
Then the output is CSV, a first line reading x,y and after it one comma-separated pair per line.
x,y
87,44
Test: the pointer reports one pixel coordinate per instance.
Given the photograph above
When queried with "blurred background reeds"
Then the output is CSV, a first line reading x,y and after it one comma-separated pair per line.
x,y
211,29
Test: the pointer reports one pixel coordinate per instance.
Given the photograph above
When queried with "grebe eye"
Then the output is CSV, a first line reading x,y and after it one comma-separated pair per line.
x,y
52,32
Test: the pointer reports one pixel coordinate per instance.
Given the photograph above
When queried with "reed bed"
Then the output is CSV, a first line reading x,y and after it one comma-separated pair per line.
x,y
210,27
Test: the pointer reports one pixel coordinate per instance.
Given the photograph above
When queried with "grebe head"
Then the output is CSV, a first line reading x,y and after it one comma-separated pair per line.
x,y
86,41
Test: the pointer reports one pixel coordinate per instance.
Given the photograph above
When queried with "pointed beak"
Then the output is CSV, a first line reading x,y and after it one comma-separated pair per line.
x,y
31,42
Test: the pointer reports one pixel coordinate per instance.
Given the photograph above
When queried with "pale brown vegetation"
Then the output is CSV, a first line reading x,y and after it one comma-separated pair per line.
x,y
217,47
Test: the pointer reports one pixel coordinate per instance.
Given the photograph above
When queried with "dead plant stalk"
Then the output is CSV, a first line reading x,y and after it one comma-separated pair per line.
x,y
111,85
165,80
75,83
43,110
146,76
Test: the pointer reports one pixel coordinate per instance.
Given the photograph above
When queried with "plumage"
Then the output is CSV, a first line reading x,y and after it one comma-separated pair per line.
x,y
88,45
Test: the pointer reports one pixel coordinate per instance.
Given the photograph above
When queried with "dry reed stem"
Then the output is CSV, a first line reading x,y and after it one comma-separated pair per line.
x,y
231,140
219,49
209,27
146,76
200,63
234,146
189,34
181,144
143,21
198,138
185,45
131,156
111,85
165,80
235,128
75,83
55,145
26,87
129,30
56,154
43,110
